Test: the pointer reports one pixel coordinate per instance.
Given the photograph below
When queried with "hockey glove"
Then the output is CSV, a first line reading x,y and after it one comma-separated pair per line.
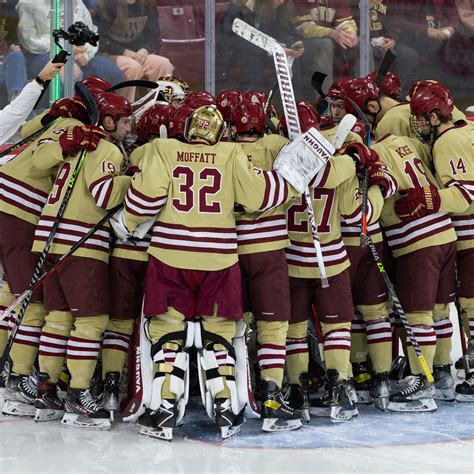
x,y
81,137
363,155
379,176
69,108
417,203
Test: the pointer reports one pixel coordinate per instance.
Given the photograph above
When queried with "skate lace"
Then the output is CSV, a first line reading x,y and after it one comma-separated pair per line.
x,y
413,387
28,386
88,402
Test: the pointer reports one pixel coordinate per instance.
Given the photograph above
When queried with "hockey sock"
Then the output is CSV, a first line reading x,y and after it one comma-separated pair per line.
x,y
25,348
53,343
422,325
6,299
169,322
359,349
467,305
225,328
272,350
115,345
379,336
297,354
83,348
337,347
444,330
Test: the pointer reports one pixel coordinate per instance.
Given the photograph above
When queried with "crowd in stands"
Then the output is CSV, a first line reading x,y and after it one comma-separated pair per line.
x,y
433,39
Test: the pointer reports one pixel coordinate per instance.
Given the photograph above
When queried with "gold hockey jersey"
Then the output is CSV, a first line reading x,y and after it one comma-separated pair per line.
x,y
406,159
193,187
98,188
264,231
453,159
26,183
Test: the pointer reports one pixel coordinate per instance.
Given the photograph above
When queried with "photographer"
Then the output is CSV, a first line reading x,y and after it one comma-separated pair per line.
x,y
35,37
13,115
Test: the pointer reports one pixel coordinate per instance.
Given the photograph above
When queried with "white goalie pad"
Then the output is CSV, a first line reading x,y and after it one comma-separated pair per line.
x,y
302,158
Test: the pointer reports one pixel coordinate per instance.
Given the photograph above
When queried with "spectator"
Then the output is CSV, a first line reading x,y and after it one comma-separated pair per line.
x,y
35,36
271,17
12,61
330,34
130,35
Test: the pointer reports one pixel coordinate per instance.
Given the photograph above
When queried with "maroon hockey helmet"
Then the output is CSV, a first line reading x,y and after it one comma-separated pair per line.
x,y
226,101
360,91
360,129
391,85
307,115
177,123
261,97
96,84
249,116
433,98
114,105
197,99
150,122
337,91
418,85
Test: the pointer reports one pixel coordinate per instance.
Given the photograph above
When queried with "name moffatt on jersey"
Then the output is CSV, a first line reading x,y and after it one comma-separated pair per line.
x,y
405,158
98,188
25,183
453,158
264,231
194,187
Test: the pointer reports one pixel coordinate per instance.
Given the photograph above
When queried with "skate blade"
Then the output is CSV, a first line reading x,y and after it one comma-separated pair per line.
x,y
339,415
445,395
364,398
381,403
165,434
48,414
14,408
72,420
320,412
463,398
272,425
461,373
422,405
229,431
305,416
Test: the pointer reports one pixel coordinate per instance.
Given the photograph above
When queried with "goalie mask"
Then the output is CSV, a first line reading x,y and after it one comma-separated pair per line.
x,y
391,85
425,101
206,123
174,90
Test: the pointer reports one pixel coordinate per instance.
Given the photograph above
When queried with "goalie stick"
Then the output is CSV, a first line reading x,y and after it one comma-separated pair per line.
x,y
282,69
88,99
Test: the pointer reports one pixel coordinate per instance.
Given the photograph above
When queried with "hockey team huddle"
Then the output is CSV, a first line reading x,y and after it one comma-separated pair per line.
x,y
211,242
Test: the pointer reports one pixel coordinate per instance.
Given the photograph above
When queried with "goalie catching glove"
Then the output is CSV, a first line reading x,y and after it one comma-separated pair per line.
x,y
81,137
417,202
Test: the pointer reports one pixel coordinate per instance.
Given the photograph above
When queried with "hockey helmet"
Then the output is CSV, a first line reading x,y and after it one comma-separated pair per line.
x,y
114,105
307,115
226,101
391,85
95,84
433,98
360,129
261,97
177,123
360,91
249,116
205,123
418,85
151,121
198,99
337,90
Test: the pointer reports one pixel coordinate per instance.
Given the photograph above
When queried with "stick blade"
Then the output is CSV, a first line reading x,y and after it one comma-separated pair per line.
x,y
385,65
317,81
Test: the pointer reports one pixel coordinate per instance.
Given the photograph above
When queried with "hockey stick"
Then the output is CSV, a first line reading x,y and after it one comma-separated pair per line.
x,y
88,99
462,332
133,83
385,65
317,81
398,308
270,45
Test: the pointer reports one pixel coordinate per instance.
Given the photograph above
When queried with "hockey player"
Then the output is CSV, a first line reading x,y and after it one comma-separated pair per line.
x,y
335,97
261,239
391,85
226,101
426,244
24,189
193,261
77,295
453,162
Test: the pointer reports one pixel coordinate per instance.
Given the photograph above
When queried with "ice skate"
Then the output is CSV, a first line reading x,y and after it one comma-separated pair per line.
x,y
380,390
465,390
225,419
444,383
469,357
48,404
277,413
20,395
418,396
160,424
298,398
111,392
4,374
81,411
362,381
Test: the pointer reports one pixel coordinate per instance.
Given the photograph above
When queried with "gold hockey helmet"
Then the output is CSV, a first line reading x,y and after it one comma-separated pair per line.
x,y
205,123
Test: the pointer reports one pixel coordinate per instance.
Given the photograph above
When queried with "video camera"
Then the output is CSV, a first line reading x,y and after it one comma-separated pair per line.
x,y
77,34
